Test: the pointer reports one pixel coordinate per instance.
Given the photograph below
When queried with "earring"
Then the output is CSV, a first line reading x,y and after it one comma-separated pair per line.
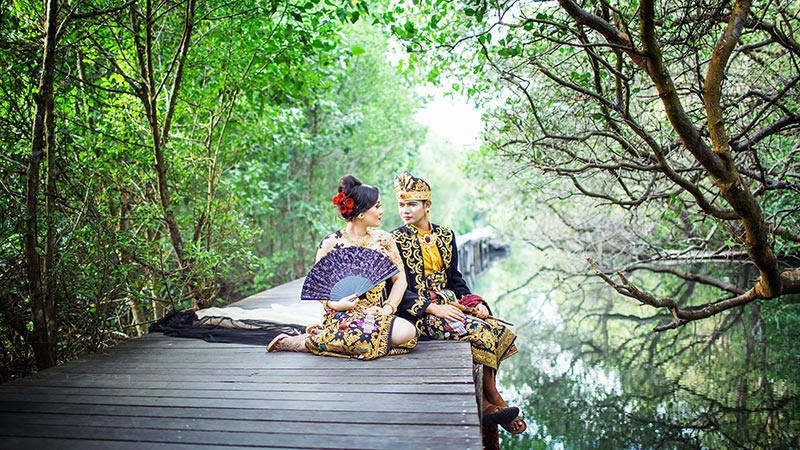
x,y
428,211
361,216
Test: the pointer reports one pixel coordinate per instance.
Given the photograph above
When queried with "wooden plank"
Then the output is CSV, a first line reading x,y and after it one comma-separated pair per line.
x,y
92,382
36,442
295,379
346,402
374,441
288,425
162,392
212,360
285,294
464,418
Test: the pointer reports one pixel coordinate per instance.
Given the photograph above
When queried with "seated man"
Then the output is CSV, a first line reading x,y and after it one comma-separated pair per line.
x,y
439,296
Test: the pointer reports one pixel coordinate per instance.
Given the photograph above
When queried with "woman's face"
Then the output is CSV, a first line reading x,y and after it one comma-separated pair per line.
x,y
372,216
412,211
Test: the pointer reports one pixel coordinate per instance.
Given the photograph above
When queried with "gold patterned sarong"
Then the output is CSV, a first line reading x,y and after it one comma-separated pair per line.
x,y
491,341
354,334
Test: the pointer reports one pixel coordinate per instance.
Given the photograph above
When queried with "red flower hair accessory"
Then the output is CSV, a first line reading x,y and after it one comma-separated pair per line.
x,y
344,203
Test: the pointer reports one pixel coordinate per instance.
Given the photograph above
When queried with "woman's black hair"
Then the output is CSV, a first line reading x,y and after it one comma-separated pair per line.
x,y
364,196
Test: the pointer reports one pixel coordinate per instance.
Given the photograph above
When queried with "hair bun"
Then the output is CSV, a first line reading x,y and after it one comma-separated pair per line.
x,y
354,197
347,183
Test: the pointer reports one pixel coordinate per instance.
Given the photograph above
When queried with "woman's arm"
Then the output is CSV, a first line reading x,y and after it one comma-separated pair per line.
x,y
399,285
399,282
344,304
325,246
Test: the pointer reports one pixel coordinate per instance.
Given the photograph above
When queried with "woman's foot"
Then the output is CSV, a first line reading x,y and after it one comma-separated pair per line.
x,y
496,415
285,343
314,329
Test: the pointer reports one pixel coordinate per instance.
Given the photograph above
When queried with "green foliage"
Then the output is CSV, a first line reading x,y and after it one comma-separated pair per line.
x,y
277,101
580,130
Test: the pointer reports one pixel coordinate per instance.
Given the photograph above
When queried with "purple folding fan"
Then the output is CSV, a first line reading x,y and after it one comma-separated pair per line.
x,y
346,271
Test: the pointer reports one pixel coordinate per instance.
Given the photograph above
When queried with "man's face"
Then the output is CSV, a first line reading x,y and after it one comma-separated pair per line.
x,y
412,211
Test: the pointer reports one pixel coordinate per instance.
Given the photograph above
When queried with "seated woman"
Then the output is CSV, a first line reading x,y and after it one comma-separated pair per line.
x,y
430,256
363,328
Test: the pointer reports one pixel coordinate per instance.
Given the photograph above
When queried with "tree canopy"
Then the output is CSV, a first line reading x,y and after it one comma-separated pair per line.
x,y
173,155
180,154
678,120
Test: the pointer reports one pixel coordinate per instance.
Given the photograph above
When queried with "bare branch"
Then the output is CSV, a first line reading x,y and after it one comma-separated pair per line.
x,y
682,316
688,276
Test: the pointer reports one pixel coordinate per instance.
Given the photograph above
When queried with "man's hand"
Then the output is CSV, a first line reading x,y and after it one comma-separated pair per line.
x,y
482,309
447,312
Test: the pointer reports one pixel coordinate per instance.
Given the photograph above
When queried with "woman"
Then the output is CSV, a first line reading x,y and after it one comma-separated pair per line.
x,y
364,328
430,256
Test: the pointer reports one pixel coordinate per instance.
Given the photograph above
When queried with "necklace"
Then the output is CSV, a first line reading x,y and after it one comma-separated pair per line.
x,y
427,238
362,242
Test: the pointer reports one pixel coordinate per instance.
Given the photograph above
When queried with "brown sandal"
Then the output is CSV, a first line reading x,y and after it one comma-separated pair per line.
x,y
285,343
275,344
499,415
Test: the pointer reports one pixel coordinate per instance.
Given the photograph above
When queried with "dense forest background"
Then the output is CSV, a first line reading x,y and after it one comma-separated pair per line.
x,y
177,155
183,154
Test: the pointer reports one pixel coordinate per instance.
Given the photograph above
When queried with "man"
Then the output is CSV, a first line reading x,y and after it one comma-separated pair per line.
x,y
440,297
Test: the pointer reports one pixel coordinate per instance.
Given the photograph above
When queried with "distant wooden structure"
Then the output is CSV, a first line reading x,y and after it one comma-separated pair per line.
x,y
160,392
475,251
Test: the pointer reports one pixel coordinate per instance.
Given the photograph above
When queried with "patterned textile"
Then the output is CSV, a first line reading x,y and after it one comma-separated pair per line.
x,y
411,251
491,341
352,333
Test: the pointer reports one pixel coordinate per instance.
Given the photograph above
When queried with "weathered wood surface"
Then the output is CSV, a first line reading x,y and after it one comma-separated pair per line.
x,y
159,392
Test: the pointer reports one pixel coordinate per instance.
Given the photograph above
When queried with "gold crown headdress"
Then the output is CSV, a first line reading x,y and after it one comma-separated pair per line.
x,y
409,187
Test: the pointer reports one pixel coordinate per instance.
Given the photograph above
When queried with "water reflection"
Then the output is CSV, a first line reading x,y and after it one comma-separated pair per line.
x,y
591,373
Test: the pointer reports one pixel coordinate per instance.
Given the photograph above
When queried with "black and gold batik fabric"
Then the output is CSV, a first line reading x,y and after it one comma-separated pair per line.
x,y
354,334
491,342
411,252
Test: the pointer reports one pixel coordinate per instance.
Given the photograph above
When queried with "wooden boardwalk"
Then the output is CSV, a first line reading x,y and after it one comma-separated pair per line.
x,y
160,392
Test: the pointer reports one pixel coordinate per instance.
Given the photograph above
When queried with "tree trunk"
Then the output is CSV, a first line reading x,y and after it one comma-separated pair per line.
x,y
41,298
148,93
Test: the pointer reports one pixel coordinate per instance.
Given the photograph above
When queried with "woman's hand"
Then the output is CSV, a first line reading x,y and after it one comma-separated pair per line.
x,y
374,310
344,304
448,312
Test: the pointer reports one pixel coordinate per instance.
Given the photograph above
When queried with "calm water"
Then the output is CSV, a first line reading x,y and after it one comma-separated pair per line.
x,y
591,373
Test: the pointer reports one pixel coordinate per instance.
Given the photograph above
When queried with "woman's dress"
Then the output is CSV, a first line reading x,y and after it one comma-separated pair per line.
x,y
353,333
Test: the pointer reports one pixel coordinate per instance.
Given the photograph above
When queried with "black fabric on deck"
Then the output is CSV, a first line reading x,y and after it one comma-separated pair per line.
x,y
250,332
